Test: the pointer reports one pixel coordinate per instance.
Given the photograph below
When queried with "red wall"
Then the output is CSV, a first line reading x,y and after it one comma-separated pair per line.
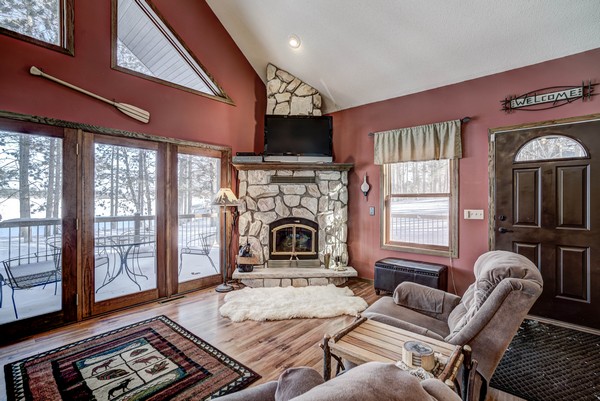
x,y
479,99
174,113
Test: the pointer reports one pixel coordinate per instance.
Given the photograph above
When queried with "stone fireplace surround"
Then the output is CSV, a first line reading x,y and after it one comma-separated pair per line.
x,y
272,191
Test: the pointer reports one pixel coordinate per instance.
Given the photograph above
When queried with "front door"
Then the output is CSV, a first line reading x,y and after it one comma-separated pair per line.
x,y
545,189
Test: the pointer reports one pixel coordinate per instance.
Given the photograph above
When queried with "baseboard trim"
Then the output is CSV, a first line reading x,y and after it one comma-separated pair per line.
x,y
564,324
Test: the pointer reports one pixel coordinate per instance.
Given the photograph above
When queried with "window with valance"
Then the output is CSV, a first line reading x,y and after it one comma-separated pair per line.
x,y
419,167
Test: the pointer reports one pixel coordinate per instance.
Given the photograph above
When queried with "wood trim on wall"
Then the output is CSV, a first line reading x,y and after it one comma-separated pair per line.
x,y
109,131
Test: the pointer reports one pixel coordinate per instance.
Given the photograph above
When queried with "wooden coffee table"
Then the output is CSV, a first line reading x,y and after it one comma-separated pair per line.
x,y
367,340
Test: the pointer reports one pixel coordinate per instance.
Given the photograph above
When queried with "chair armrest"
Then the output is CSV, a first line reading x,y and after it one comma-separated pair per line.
x,y
439,390
262,392
426,300
401,324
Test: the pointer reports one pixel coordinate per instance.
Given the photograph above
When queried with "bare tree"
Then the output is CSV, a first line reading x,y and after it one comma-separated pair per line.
x,y
39,19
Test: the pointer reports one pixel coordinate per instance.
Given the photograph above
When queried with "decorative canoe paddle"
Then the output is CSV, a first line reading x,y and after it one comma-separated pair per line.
x,y
131,111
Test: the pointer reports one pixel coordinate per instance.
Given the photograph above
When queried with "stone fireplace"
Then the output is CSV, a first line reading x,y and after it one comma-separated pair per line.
x,y
292,214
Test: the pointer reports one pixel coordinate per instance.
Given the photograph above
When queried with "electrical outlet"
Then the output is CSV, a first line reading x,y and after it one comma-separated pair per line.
x,y
473,214
371,211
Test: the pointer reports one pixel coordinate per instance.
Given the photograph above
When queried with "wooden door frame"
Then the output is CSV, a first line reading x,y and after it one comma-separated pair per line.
x,y
68,312
175,286
492,132
74,225
91,307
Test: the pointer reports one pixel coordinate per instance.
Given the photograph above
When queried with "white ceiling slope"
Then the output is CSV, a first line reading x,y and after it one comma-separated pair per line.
x,y
362,51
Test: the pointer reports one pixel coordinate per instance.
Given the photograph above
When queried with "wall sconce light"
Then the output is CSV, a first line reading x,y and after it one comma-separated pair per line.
x,y
365,187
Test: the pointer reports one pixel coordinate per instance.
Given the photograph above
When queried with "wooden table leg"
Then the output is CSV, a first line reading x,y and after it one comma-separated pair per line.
x,y
326,358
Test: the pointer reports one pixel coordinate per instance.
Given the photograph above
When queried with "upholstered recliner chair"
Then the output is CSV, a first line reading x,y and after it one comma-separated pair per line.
x,y
486,317
373,381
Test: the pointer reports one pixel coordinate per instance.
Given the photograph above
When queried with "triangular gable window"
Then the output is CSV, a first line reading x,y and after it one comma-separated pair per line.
x,y
143,44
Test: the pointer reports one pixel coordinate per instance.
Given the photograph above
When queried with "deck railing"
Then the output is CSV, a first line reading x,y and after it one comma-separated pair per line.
x,y
23,237
419,229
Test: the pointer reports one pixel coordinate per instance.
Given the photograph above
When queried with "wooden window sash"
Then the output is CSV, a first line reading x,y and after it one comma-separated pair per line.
x,y
66,35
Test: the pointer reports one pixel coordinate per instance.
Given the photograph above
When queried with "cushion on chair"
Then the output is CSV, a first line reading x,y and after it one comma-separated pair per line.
x,y
490,269
430,301
375,381
296,381
386,311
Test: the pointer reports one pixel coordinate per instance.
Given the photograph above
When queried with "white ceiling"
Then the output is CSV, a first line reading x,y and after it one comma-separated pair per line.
x,y
361,51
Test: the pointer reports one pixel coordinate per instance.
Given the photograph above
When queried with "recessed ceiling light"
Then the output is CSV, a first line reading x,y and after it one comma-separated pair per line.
x,y
294,41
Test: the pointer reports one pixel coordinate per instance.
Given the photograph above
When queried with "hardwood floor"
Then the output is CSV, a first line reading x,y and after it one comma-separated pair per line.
x,y
266,347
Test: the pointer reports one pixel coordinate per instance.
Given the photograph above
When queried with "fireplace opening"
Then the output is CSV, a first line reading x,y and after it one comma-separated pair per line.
x,y
293,238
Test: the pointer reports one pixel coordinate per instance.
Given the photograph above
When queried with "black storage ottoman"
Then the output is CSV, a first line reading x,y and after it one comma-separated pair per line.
x,y
390,272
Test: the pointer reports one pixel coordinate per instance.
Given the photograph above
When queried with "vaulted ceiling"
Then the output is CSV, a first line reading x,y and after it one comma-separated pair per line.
x,y
362,51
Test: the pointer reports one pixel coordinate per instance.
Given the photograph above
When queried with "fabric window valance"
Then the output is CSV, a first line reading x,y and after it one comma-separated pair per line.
x,y
424,142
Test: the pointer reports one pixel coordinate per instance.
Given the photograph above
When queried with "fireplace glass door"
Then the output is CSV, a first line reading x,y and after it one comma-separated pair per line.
x,y
293,240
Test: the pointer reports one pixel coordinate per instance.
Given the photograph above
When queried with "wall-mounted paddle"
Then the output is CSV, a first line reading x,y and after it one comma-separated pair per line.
x,y
131,111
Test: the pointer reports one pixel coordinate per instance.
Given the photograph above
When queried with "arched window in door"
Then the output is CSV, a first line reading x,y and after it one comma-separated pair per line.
x,y
551,147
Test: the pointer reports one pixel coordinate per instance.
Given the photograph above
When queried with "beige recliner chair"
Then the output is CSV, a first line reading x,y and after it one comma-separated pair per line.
x,y
373,381
486,317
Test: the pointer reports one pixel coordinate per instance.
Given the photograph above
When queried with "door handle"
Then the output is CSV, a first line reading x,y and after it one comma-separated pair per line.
x,y
503,230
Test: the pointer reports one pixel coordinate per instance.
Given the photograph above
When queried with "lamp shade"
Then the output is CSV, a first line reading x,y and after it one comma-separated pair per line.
x,y
225,197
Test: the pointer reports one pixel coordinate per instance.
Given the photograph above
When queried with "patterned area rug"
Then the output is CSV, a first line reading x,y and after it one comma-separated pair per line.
x,y
154,359
545,362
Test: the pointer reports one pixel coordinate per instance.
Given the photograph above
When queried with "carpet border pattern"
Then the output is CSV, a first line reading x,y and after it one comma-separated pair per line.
x,y
16,382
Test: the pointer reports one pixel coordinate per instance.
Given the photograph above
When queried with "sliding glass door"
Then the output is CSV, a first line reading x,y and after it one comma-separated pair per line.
x,y
36,258
199,226
91,223
124,220
124,203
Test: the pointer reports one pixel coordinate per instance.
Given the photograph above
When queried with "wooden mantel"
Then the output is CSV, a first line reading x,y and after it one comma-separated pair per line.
x,y
293,166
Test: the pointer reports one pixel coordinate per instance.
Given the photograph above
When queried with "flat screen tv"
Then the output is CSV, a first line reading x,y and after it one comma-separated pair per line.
x,y
298,136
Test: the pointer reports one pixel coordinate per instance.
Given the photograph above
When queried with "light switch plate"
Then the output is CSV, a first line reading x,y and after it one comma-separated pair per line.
x,y
372,211
473,214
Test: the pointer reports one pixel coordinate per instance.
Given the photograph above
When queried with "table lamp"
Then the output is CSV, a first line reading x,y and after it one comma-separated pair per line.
x,y
224,198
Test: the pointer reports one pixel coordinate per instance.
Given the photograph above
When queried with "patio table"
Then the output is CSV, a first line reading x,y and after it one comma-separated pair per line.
x,y
123,245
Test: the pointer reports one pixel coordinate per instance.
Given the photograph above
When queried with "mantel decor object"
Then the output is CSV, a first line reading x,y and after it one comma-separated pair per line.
x,y
225,198
338,266
245,260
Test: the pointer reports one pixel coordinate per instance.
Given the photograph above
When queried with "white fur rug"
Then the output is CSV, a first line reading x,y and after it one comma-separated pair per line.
x,y
279,303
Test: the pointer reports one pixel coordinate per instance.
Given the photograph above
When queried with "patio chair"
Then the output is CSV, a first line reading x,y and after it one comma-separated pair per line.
x,y
198,245
32,270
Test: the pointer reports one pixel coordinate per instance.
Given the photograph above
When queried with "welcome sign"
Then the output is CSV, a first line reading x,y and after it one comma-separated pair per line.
x,y
556,95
